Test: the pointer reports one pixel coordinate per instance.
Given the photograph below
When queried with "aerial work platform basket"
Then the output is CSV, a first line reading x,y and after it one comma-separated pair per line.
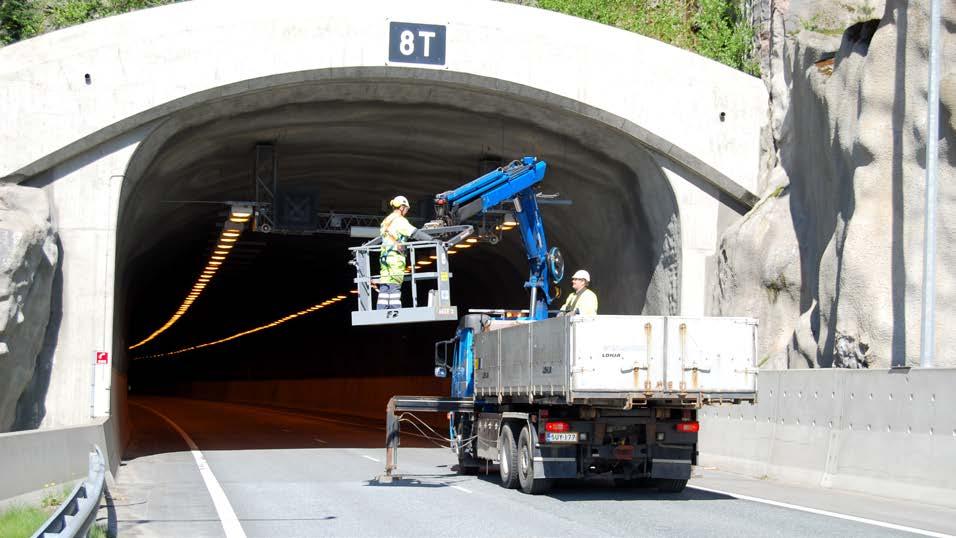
x,y
427,262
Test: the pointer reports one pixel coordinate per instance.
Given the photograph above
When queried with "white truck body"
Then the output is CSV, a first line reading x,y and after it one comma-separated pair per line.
x,y
631,358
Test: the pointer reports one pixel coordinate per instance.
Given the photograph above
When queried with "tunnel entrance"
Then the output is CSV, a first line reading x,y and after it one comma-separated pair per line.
x,y
357,143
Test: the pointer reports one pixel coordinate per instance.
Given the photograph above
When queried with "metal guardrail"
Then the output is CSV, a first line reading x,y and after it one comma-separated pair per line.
x,y
77,514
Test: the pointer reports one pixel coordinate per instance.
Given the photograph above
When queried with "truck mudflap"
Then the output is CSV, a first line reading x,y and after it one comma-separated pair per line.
x,y
671,461
556,462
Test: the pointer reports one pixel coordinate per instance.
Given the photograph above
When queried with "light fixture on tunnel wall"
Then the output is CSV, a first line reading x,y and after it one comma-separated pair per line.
x,y
314,308
231,230
509,220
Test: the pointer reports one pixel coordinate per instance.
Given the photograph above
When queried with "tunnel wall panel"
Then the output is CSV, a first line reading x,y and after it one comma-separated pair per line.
x,y
859,430
365,397
85,195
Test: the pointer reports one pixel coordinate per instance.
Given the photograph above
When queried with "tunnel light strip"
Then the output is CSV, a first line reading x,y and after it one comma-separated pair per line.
x,y
312,309
231,230
192,296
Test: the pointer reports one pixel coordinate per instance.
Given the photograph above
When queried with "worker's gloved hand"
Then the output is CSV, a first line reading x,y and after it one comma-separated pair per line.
x,y
422,236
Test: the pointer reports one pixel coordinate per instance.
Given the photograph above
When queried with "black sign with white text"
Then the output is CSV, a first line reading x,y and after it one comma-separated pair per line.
x,y
414,43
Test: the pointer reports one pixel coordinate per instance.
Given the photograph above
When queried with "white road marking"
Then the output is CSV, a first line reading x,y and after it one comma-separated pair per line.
x,y
827,513
459,488
371,458
230,523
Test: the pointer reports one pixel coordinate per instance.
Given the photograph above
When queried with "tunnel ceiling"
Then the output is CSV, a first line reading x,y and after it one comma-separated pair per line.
x,y
356,155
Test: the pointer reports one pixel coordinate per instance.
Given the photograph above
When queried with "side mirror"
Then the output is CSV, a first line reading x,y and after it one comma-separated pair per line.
x,y
441,356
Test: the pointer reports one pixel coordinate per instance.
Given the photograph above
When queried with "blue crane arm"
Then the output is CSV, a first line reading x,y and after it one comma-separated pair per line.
x,y
514,183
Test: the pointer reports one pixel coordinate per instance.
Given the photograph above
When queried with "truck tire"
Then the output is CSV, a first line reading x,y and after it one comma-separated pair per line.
x,y
508,458
670,485
529,484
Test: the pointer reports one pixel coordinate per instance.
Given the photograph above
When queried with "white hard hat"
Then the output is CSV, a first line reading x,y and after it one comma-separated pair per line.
x,y
581,273
399,201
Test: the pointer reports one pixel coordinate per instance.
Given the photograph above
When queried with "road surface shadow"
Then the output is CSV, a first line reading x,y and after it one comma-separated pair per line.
x,y
409,481
605,490
231,426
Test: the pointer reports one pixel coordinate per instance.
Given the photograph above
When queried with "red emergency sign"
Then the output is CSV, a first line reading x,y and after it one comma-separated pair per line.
x,y
102,357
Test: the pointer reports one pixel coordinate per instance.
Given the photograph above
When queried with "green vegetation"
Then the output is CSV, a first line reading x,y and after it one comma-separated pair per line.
x,y
23,19
24,521
833,24
712,28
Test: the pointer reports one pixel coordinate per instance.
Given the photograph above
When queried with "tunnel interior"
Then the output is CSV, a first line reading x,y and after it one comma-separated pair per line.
x,y
355,150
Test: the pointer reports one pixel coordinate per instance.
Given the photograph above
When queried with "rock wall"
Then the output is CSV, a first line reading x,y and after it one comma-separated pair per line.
x,y
830,260
28,259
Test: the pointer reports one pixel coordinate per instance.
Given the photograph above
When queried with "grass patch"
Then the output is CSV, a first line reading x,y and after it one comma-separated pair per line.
x,y
716,29
23,521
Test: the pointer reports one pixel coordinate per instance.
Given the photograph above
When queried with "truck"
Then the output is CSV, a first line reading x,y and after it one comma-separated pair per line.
x,y
574,397
547,397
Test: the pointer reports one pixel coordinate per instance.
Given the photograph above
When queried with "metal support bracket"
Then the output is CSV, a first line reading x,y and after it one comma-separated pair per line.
x,y
420,404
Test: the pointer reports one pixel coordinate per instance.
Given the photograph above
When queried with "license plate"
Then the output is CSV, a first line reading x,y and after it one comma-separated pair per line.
x,y
561,437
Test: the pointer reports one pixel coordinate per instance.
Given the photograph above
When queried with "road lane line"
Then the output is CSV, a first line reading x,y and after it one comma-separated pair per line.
x,y
371,458
230,523
826,513
459,488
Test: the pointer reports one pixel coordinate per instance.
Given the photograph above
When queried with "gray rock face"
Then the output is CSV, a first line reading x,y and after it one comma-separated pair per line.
x,y
28,257
846,187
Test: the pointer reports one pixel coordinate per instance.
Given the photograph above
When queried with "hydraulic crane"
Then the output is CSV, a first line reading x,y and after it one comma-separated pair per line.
x,y
574,396
512,183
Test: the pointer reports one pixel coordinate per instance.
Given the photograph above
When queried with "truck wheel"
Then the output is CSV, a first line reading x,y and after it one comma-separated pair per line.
x,y
508,458
670,485
529,484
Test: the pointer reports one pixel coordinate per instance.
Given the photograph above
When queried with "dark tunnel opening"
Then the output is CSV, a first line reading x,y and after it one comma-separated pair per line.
x,y
356,156
269,276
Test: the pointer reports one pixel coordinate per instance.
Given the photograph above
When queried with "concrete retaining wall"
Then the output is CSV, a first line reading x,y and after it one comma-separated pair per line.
x,y
352,396
882,432
30,460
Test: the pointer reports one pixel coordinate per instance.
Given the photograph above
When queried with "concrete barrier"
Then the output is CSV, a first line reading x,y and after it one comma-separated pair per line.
x,y
353,396
30,460
882,432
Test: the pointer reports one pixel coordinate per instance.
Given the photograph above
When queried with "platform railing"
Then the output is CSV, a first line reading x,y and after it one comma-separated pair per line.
x,y
438,306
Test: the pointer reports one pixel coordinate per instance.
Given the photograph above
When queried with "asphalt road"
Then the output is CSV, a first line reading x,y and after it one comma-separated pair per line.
x,y
299,473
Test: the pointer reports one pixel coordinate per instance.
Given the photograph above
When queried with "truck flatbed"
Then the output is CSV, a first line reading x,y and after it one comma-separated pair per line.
x,y
619,361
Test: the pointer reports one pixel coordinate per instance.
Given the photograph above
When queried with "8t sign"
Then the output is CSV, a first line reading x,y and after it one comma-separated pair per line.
x,y
413,43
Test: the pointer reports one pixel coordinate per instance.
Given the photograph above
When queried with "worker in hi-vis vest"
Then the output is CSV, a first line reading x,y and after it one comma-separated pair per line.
x,y
583,301
395,230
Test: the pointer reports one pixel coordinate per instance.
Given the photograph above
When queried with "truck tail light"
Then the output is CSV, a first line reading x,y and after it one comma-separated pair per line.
x,y
557,427
688,427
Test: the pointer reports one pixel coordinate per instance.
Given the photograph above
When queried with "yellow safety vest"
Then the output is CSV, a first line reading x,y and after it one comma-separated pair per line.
x,y
395,230
585,302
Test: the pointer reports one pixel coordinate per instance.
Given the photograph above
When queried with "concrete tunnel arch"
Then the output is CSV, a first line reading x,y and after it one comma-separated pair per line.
x,y
624,225
641,255
655,119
